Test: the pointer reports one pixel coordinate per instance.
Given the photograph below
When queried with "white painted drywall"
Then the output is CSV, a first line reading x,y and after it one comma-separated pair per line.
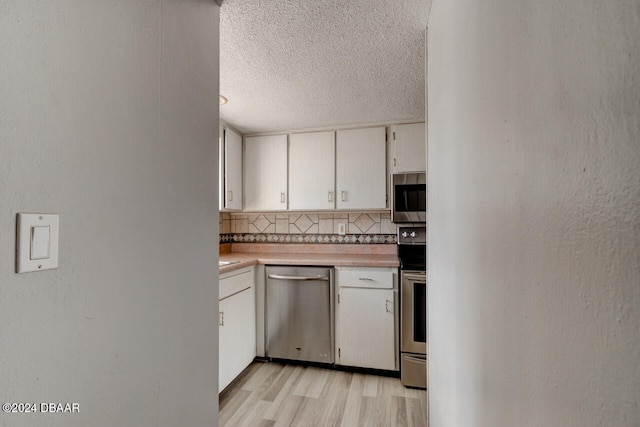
x,y
534,213
108,117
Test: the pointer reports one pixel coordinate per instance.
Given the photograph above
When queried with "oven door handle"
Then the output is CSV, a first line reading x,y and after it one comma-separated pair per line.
x,y
415,276
415,359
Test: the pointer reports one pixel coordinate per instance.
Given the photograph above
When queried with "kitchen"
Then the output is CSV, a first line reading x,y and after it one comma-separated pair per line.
x,y
108,117
306,183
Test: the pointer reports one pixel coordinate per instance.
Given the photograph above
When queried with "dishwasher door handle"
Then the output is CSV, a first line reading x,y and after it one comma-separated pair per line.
x,y
282,277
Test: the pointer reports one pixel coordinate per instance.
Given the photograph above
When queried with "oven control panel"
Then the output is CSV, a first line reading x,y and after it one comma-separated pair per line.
x,y
412,235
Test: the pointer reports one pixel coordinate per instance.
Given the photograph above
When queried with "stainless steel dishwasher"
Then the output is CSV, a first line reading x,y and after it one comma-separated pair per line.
x,y
299,313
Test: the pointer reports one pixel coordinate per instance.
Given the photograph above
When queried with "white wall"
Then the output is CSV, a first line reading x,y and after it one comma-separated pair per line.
x,y
108,117
534,213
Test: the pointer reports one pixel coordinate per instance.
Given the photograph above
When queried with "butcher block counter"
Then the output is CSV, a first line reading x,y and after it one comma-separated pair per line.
x,y
241,255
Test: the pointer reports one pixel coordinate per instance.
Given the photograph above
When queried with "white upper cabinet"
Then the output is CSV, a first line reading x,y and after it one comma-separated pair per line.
x,y
361,169
232,191
408,147
312,170
265,173
221,167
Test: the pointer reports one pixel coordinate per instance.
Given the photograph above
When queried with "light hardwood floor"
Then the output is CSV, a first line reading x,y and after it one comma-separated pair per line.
x,y
275,394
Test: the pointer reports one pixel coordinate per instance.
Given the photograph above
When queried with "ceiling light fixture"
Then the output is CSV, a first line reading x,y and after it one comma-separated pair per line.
x,y
223,100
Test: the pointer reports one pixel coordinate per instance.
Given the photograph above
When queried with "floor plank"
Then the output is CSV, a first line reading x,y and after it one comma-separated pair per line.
x,y
281,395
371,386
286,391
399,411
230,405
415,412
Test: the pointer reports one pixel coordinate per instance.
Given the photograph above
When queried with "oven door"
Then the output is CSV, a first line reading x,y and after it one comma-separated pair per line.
x,y
413,333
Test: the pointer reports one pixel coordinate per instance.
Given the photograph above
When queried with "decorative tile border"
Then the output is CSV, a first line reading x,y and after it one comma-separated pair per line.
x,y
310,238
226,238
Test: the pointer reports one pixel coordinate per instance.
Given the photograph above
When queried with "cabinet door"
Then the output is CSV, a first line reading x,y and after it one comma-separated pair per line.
x,y
232,170
409,147
221,167
365,330
265,176
311,170
361,169
237,335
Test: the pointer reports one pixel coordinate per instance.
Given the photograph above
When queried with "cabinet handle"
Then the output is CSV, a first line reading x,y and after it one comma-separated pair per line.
x,y
386,306
343,195
281,197
366,278
330,196
221,318
230,195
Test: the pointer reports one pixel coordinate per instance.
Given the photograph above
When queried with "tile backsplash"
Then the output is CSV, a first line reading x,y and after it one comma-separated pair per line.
x,y
307,227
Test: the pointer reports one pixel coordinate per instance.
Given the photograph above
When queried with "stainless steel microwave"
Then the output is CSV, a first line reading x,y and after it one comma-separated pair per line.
x,y
409,197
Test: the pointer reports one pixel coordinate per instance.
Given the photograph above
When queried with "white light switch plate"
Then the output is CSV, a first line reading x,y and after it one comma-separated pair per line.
x,y
37,242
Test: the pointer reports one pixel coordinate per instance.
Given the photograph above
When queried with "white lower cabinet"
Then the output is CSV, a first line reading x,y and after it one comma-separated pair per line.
x,y
236,325
366,322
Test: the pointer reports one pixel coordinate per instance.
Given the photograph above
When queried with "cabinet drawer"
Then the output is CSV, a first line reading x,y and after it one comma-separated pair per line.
x,y
235,282
358,277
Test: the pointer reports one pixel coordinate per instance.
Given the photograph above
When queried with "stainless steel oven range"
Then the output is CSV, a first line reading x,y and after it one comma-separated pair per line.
x,y
412,245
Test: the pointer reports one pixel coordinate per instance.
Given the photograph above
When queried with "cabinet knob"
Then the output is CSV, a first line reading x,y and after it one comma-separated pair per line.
x,y
282,197
330,196
230,195
343,195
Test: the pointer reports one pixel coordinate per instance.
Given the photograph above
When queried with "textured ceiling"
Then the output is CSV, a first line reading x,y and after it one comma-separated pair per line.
x,y
296,64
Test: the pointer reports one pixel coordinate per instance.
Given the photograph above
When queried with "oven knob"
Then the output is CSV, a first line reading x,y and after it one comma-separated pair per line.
x,y
405,234
413,234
